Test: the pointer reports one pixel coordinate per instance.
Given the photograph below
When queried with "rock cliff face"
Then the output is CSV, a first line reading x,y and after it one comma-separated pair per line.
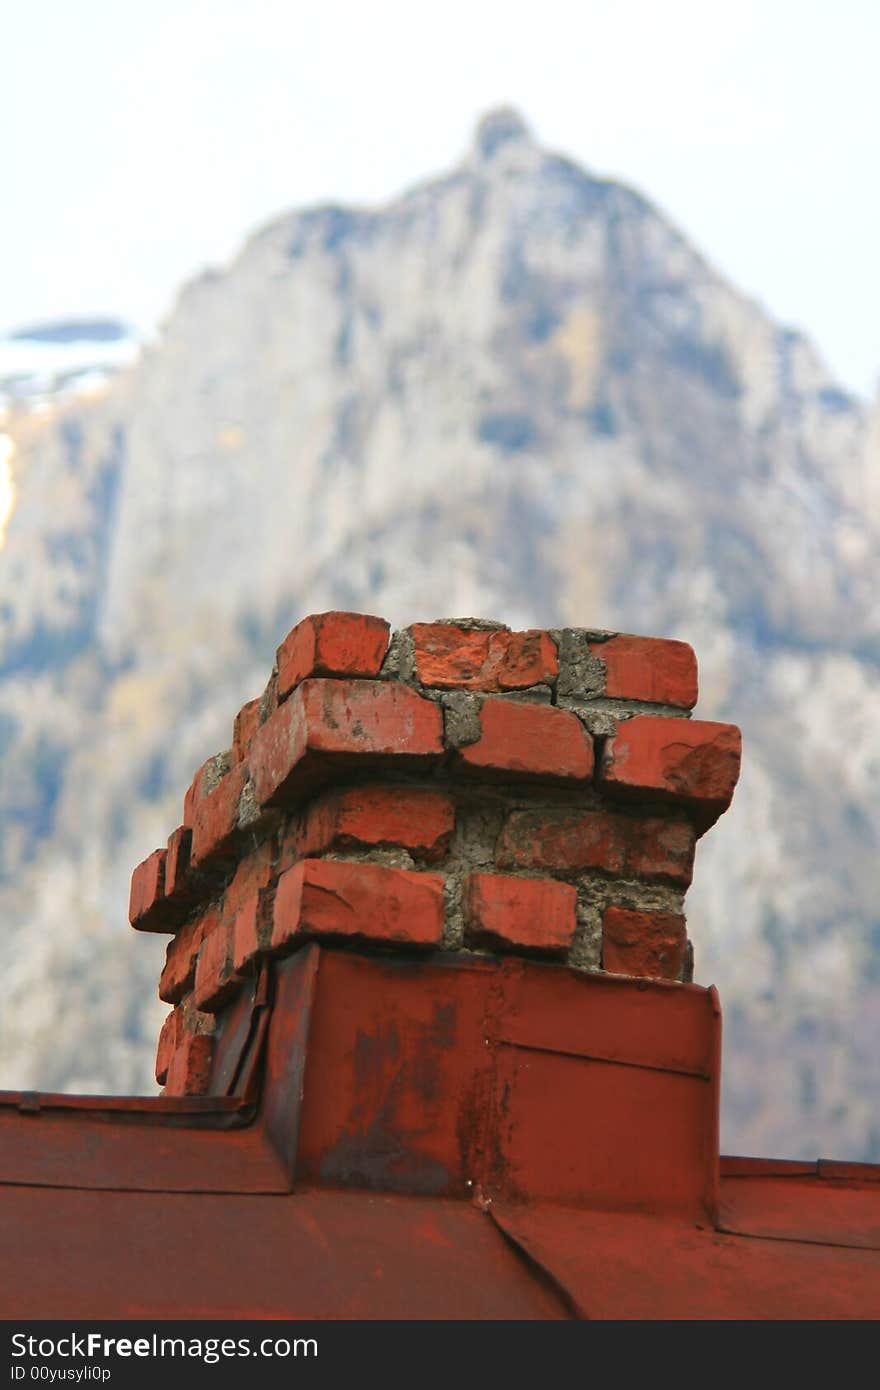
x,y
516,390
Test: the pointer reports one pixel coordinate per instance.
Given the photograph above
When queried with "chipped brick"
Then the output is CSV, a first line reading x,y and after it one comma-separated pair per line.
x,y
572,840
521,740
531,914
203,783
416,819
253,872
657,670
189,1073
178,974
245,725
465,658
333,723
331,644
330,898
146,906
643,943
177,861
215,818
169,1039
214,983
246,935
693,762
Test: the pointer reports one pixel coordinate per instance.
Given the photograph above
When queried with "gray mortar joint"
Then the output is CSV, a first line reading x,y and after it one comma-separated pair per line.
x,y
266,697
216,770
461,717
473,624
453,914
581,673
586,948
399,662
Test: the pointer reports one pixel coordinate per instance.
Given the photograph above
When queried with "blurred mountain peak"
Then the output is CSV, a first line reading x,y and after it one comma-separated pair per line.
x,y
499,127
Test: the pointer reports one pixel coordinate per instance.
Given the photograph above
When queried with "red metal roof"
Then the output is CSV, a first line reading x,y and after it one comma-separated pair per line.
x,y
436,1138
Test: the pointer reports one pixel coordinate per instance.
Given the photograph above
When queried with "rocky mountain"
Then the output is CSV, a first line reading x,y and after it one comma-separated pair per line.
x,y
515,391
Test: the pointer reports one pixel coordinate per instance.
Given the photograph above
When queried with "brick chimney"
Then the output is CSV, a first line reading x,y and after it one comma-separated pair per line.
x,y
429,858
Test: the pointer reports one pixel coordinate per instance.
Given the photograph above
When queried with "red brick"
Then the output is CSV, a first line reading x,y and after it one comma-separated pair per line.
x,y
253,872
520,740
287,906
310,832
323,897
244,726
490,659
655,669
246,943
662,847
215,818
528,658
269,701
178,975
190,1071
414,818
366,717
643,943
417,819
146,906
205,779
330,723
190,795
568,840
331,644
169,1039
693,762
214,983
571,841
177,861
532,914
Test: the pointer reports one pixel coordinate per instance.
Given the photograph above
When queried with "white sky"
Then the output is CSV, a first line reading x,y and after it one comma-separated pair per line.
x,y
142,141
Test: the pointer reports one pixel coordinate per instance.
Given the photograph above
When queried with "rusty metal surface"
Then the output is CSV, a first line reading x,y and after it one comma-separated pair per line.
x,y
310,1255
380,1105
803,1207
124,1109
397,1076
832,1169
236,1037
101,1151
640,1023
628,1265
424,1076
575,1131
422,1079
736,1167
288,1052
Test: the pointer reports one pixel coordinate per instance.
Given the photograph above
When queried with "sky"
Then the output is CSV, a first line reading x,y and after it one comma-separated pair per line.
x,y
144,141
